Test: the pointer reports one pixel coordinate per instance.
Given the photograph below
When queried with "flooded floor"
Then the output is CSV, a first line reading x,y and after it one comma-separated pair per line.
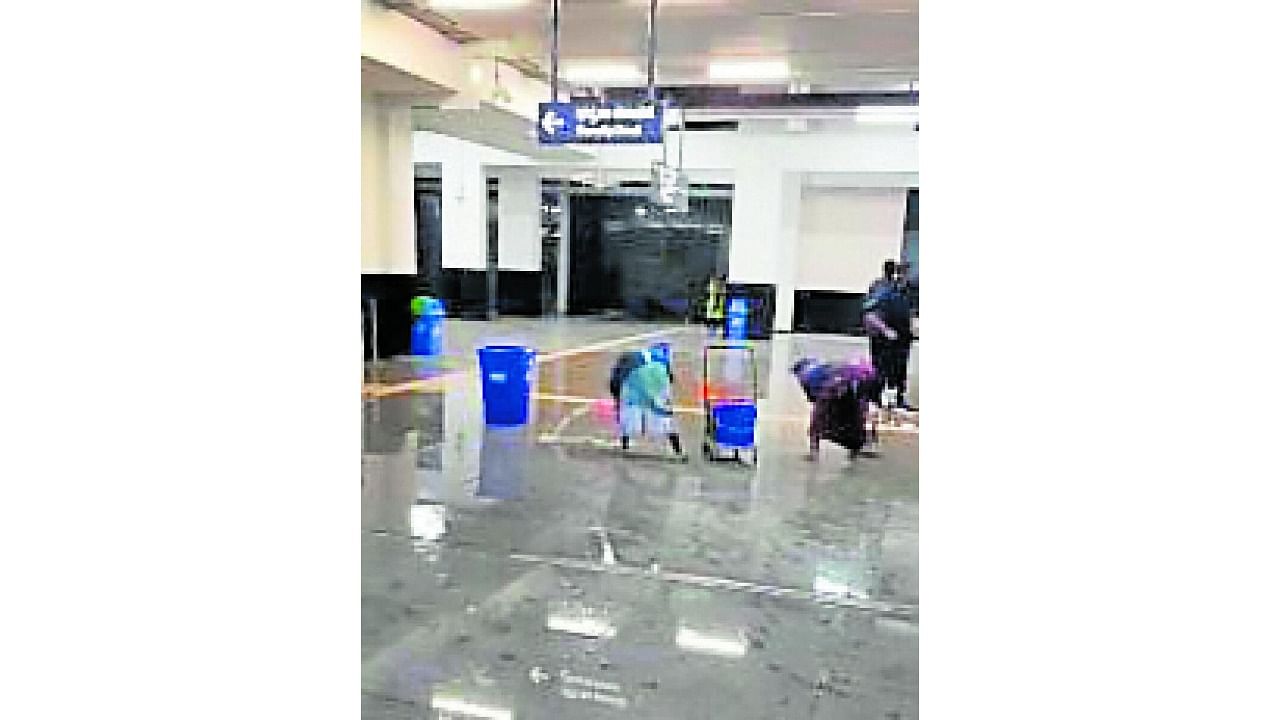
x,y
539,572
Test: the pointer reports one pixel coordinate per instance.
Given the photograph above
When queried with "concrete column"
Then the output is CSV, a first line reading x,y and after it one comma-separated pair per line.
x,y
756,188
786,249
464,213
766,220
519,219
387,237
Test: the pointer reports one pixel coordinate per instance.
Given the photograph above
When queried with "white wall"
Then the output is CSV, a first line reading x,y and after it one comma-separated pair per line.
x,y
464,218
387,233
846,234
869,149
772,170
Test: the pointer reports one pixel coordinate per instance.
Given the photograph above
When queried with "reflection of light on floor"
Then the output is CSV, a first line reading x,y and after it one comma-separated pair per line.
x,y
601,691
427,522
571,693
450,706
711,644
836,579
898,625
828,587
579,620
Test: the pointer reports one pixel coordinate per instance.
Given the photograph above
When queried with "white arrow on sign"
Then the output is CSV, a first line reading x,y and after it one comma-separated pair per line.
x,y
551,121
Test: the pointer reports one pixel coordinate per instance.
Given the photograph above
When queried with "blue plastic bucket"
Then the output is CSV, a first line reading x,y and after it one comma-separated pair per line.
x,y
504,384
735,424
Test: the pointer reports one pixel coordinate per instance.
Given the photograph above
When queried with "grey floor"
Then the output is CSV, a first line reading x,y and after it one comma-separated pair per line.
x,y
539,573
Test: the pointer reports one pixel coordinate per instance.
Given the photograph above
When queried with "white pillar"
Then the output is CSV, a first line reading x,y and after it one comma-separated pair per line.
x,y
755,219
464,213
387,235
786,247
519,219
766,218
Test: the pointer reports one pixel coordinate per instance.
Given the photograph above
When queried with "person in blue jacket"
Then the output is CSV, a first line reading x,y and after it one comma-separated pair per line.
x,y
641,389
887,318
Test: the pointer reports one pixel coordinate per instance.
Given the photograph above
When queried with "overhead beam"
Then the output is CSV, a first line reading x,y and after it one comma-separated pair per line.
x,y
394,39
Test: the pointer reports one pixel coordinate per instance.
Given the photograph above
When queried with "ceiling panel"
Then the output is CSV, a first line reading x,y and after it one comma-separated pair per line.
x,y
831,42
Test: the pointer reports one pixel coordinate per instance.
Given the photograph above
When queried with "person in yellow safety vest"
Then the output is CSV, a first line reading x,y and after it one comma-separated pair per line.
x,y
715,303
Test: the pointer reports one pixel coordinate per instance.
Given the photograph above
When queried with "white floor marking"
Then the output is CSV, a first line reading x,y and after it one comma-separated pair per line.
x,y
900,610
606,344
564,424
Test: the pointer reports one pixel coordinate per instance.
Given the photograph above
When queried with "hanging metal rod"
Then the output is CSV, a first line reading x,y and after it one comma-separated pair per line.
x,y
555,50
653,46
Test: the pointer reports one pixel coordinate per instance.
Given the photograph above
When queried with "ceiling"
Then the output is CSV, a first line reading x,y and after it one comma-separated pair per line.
x,y
830,45
382,80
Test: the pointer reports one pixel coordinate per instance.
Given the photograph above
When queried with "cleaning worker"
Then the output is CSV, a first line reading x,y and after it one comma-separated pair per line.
x,y
641,387
840,393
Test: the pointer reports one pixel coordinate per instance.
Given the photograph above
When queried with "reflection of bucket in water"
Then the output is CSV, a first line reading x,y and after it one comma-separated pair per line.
x,y
502,459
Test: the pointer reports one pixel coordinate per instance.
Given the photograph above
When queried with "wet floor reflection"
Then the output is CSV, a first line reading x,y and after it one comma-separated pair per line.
x,y
502,466
539,572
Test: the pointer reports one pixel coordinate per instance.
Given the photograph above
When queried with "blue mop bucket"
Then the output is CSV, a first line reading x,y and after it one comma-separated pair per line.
x,y
504,384
735,424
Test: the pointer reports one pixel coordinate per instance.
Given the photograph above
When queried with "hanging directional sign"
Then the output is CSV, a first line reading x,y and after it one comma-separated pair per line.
x,y
567,123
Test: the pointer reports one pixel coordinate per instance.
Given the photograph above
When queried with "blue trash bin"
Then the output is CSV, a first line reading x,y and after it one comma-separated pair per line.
x,y
735,319
504,384
427,337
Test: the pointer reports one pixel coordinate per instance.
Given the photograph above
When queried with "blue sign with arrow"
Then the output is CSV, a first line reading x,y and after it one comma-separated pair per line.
x,y
562,123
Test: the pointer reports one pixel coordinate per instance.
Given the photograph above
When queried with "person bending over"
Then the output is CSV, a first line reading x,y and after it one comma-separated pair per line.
x,y
641,387
840,394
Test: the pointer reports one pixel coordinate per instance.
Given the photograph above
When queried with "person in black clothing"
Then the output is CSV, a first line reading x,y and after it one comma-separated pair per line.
x,y
887,316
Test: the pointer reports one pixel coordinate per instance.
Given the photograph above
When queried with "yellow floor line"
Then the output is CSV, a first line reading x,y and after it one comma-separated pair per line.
x,y
905,428
436,383
605,344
